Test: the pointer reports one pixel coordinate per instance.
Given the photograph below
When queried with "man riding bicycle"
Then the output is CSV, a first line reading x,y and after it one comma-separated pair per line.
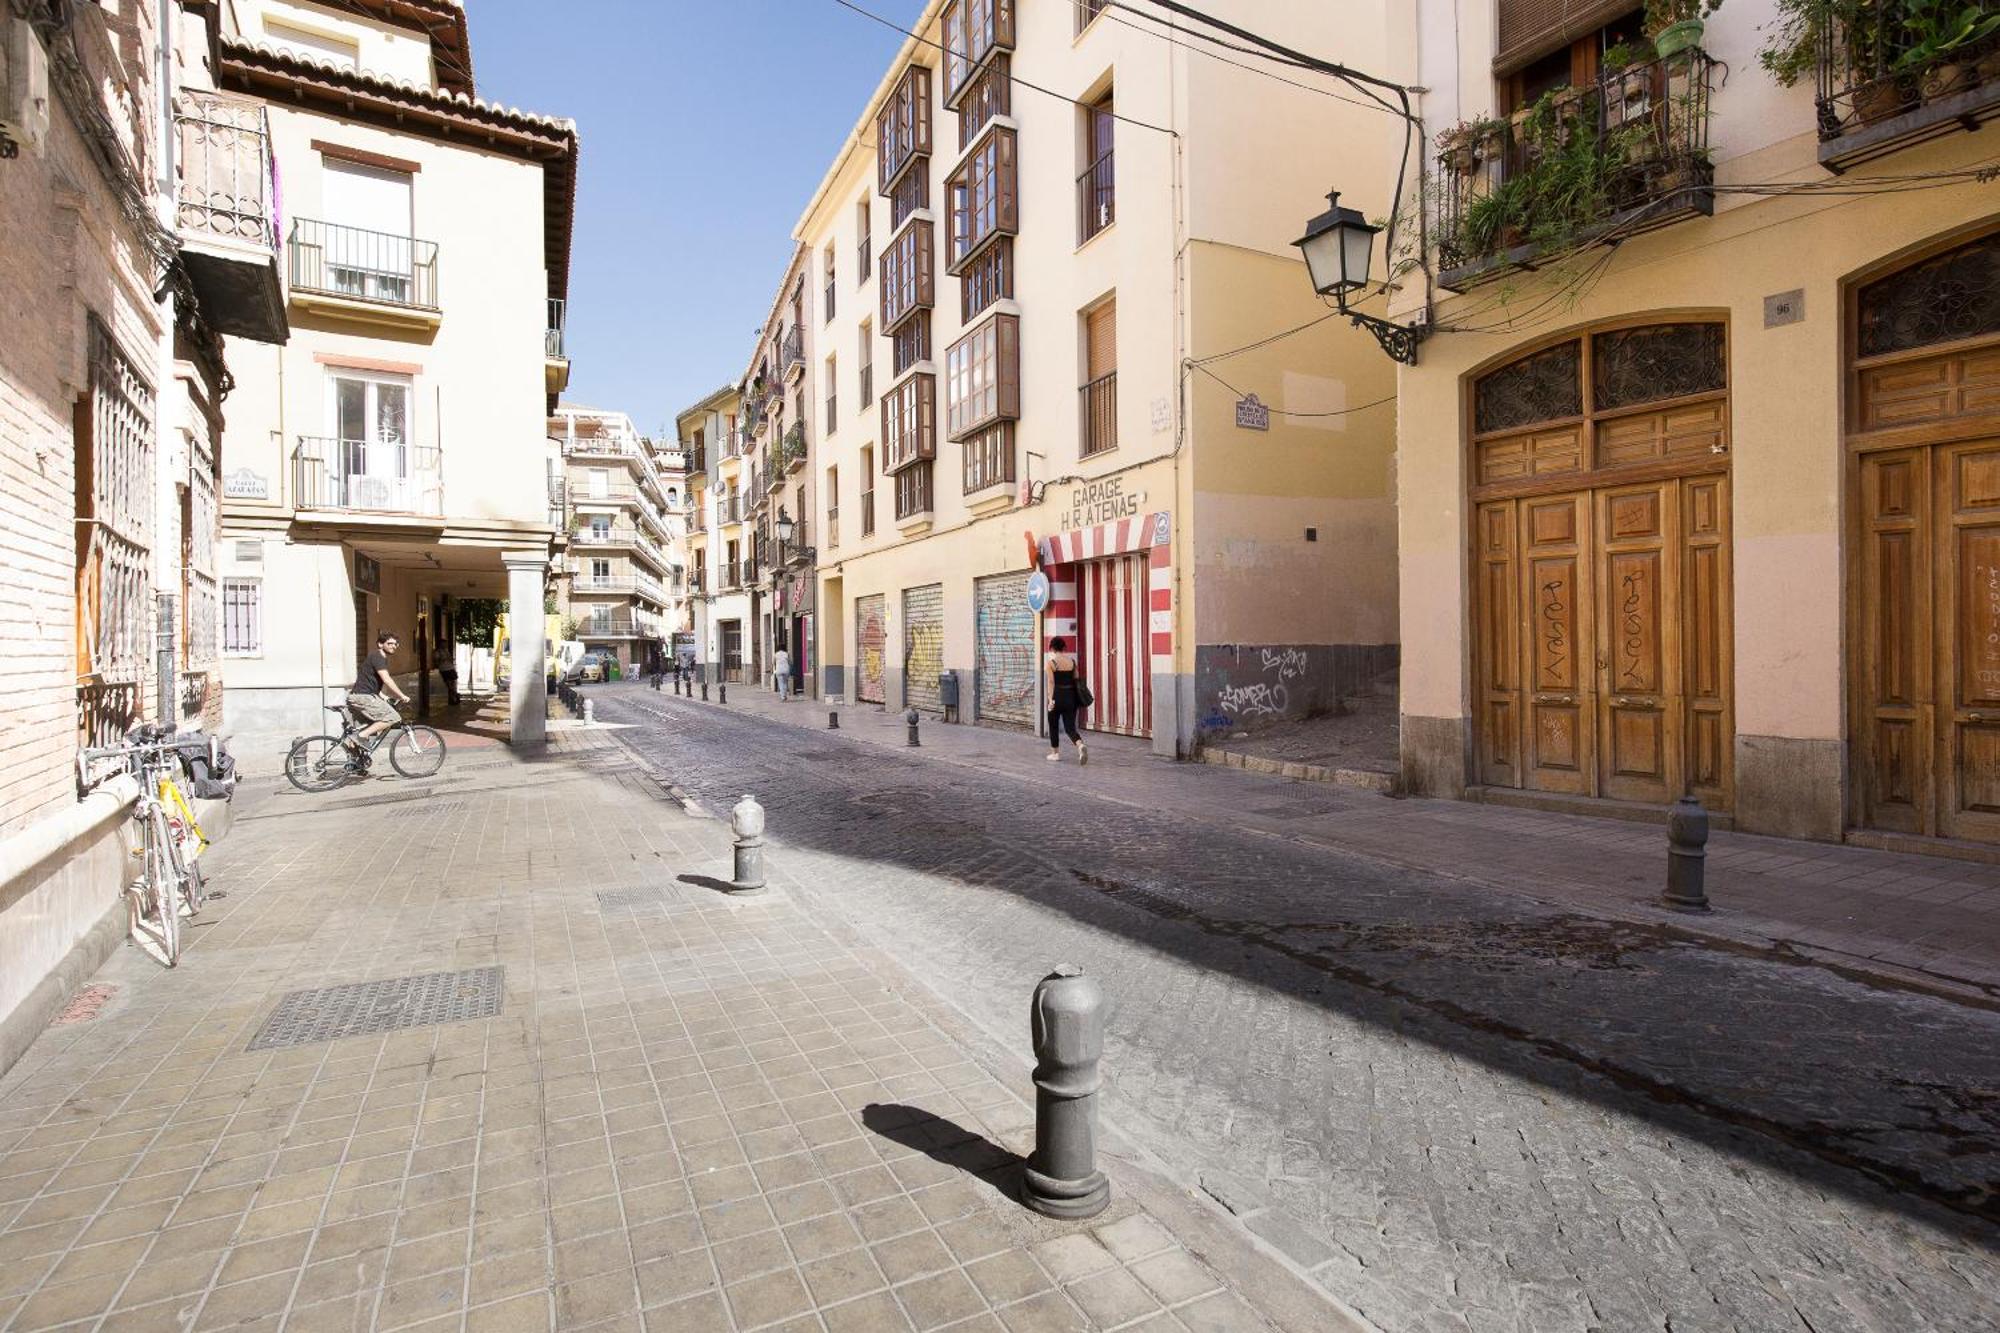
x,y
365,700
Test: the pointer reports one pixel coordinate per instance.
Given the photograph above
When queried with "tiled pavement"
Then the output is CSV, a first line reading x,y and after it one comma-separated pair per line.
x,y
1925,919
691,1112
1460,1109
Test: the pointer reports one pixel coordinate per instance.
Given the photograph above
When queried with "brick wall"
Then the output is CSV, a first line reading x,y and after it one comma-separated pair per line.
x,y
69,252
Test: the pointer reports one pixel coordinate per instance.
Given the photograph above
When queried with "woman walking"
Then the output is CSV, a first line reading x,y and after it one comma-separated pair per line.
x,y
1061,689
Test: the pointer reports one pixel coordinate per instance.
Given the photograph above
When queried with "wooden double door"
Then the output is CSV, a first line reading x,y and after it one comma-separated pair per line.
x,y
1926,602
1603,656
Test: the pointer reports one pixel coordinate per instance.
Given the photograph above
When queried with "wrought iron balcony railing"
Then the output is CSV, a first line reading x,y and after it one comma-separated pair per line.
x,y
365,265
1893,73
792,447
792,352
1585,165
1096,198
226,211
867,513
1099,407
366,475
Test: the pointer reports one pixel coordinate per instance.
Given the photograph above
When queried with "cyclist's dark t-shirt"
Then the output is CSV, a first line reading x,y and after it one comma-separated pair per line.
x,y
370,680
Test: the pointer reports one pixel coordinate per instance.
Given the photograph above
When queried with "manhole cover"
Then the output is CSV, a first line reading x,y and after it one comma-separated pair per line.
x,y
360,1008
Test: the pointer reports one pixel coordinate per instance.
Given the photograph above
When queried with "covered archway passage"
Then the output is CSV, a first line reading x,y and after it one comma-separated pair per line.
x,y
1599,466
1924,569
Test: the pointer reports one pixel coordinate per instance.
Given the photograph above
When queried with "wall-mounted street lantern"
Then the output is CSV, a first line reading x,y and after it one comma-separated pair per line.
x,y
785,528
1339,245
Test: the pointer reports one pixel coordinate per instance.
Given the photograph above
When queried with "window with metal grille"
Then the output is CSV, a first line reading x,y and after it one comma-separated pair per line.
x,y
911,343
913,491
989,96
985,196
989,457
242,617
988,278
983,377
114,517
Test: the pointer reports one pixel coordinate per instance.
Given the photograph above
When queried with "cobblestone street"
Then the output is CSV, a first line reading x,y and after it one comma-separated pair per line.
x,y
1459,1108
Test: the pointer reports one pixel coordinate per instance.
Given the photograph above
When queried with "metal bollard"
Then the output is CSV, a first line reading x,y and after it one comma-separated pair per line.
x,y
589,711
704,689
1687,856
833,719
722,691
1066,1019
746,821
911,717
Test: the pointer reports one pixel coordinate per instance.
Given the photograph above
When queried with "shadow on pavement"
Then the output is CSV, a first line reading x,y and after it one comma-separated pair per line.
x,y
1864,1085
946,1142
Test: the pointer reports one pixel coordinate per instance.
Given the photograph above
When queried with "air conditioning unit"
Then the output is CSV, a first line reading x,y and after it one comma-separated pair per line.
x,y
24,86
370,492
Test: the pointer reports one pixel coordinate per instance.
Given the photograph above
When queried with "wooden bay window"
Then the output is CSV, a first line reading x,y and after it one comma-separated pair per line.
x,y
909,422
984,195
973,31
907,281
903,129
983,377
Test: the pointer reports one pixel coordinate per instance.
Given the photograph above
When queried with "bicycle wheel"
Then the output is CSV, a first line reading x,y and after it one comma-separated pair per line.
x,y
153,900
416,751
317,763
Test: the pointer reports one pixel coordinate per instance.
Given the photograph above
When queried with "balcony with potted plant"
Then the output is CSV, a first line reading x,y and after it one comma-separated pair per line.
x,y
1888,73
1583,165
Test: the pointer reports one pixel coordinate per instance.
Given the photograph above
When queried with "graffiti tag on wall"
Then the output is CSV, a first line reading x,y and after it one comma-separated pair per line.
x,y
1005,633
870,637
1252,700
1289,663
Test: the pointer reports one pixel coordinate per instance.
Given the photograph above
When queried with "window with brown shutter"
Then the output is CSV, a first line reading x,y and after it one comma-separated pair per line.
x,y
1531,28
1099,395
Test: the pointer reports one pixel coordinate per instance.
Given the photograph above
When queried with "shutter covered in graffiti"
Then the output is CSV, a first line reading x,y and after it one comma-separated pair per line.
x,y
1004,639
923,645
1111,605
871,632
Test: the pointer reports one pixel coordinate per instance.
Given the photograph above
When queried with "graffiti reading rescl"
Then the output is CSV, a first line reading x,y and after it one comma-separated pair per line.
x,y
1097,502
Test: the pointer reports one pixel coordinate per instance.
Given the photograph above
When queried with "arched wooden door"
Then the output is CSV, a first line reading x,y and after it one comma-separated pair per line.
x,y
1600,604
1924,568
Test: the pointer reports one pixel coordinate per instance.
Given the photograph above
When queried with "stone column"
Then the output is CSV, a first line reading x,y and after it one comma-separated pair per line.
x,y
527,699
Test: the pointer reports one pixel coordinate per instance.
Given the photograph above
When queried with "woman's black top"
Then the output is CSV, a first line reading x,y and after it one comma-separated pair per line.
x,y
1065,685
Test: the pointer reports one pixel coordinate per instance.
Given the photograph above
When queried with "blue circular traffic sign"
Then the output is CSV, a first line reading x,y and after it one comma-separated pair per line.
x,y
1038,592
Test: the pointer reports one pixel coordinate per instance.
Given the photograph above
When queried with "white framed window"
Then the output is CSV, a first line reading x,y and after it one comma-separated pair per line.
x,y
371,462
369,209
242,617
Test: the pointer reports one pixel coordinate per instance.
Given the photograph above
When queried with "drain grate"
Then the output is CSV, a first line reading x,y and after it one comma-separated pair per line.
x,y
427,810
360,1008
644,895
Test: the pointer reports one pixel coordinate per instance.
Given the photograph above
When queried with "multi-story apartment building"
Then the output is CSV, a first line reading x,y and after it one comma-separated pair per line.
x,y
136,210
1067,333
778,412
620,584
711,439
390,459
1708,500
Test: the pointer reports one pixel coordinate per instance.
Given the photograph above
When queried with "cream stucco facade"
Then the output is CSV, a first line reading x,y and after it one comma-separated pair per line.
x,y
391,457
1783,445
1220,576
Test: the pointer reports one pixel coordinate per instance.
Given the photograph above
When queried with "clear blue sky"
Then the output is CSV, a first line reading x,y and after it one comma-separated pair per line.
x,y
705,128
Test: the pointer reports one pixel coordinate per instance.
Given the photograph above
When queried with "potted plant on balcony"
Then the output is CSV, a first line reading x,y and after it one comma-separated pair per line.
x,y
1628,79
1865,35
1676,25
1941,34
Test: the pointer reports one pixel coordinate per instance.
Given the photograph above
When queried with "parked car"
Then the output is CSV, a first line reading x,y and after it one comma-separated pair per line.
x,y
590,667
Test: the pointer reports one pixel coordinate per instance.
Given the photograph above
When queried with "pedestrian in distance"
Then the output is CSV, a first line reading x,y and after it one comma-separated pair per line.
x,y
781,665
448,672
1065,692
